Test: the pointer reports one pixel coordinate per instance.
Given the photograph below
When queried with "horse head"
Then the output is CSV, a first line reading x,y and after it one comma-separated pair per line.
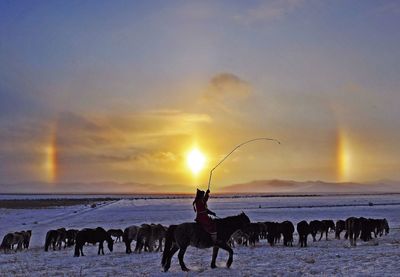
x,y
244,219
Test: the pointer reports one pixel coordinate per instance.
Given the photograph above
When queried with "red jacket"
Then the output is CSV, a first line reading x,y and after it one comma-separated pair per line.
x,y
202,214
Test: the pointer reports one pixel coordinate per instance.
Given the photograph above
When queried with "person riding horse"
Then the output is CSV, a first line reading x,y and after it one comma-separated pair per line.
x,y
202,212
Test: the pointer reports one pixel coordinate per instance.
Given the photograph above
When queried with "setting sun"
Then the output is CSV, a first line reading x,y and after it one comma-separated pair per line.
x,y
195,160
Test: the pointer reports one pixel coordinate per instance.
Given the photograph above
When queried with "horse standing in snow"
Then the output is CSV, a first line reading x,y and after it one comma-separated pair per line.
x,y
92,236
303,228
286,228
179,237
10,240
353,229
327,225
340,226
117,233
130,234
51,240
158,233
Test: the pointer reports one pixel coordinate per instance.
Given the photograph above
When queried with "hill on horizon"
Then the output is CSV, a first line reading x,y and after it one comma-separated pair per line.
x,y
257,186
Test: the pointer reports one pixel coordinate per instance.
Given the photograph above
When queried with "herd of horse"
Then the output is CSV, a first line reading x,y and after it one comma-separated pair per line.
x,y
233,230
273,232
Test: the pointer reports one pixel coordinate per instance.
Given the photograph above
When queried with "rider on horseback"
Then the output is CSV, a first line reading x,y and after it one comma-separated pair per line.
x,y
202,212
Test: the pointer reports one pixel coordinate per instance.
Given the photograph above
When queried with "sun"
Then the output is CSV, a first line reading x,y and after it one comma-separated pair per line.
x,y
195,160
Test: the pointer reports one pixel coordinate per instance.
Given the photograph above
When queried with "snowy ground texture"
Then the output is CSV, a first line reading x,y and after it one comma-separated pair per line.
x,y
379,257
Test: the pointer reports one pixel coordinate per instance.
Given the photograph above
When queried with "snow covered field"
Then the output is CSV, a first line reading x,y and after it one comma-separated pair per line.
x,y
325,258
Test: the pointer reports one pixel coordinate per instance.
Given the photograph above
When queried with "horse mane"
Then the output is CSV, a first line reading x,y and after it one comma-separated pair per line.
x,y
229,219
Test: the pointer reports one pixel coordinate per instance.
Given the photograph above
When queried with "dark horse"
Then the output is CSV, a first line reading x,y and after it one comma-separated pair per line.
x,y
179,237
92,236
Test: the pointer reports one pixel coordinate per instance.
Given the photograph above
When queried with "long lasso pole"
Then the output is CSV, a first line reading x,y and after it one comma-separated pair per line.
x,y
234,149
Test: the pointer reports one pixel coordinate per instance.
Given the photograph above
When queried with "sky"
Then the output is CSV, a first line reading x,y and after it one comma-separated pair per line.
x,y
121,91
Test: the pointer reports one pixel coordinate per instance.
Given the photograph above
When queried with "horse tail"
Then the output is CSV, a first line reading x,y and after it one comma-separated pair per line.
x,y
169,239
47,241
4,243
125,235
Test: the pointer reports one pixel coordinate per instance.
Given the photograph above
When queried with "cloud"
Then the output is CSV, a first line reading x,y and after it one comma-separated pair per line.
x,y
227,85
99,145
268,11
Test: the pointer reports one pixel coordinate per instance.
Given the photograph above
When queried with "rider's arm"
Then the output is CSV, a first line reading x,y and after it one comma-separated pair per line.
x,y
205,199
211,212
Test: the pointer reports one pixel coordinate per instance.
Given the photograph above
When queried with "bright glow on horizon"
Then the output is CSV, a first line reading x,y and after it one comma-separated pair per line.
x,y
195,160
50,165
343,157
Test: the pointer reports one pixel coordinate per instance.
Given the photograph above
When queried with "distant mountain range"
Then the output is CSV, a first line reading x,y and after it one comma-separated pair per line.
x,y
92,188
287,186
259,186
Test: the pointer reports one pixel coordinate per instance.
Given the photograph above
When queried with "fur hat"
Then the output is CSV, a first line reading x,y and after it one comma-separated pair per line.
x,y
200,193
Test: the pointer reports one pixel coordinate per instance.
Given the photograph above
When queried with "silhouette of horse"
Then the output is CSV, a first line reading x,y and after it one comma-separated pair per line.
x,y
385,226
6,243
273,234
315,227
62,238
353,229
27,238
252,230
286,228
158,233
130,234
92,236
179,237
340,226
70,236
118,233
51,240
326,226
303,229
263,230
10,240
144,239
367,227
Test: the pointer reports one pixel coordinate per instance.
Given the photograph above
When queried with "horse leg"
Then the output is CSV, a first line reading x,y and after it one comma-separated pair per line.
x,y
230,251
159,245
322,233
100,248
138,247
128,249
180,258
214,256
172,252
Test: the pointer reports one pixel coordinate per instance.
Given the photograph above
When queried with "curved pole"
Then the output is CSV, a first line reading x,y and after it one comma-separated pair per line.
x,y
234,149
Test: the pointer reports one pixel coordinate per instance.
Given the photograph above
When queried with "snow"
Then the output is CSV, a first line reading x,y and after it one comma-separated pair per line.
x,y
334,257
